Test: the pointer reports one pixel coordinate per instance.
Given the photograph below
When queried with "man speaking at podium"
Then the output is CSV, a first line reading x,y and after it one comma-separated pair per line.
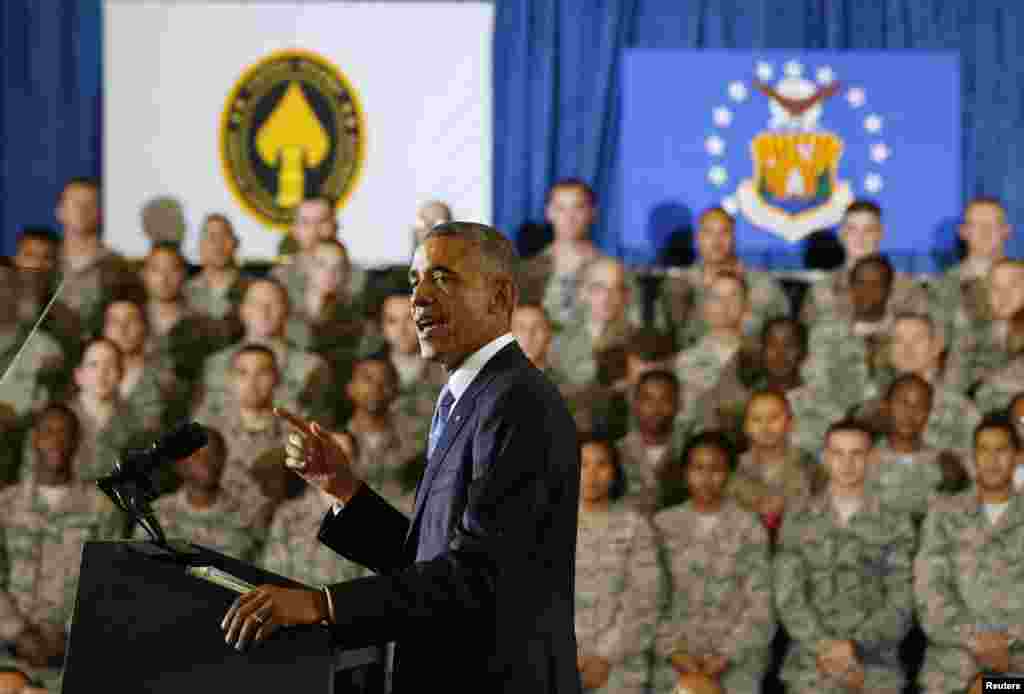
x,y
477,588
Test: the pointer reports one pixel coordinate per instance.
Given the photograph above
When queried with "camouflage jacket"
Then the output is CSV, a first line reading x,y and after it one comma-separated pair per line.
x,y
86,291
716,588
999,388
41,550
797,480
829,298
218,304
36,375
229,526
644,466
906,483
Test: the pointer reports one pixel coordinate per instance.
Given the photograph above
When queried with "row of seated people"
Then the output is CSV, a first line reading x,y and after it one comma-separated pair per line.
x,y
689,575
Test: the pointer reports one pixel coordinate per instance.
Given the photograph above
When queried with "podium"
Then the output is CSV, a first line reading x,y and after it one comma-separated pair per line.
x,y
142,624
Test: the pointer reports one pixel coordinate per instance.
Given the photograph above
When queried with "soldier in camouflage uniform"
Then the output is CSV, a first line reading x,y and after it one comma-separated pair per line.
x,y
845,355
997,390
206,513
305,380
45,523
908,473
219,288
699,367
985,232
616,578
386,439
108,425
37,372
777,365
554,277
772,475
148,383
315,221
861,234
654,441
601,325
983,343
250,428
683,294
968,573
843,579
716,590
292,549
92,273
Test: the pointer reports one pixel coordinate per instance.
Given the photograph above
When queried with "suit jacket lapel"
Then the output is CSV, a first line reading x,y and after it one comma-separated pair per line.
x,y
456,420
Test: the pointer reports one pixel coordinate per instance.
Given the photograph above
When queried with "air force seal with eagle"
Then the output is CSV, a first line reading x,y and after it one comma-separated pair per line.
x,y
292,128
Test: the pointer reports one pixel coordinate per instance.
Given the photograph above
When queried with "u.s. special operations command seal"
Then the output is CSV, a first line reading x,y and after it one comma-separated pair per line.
x,y
292,128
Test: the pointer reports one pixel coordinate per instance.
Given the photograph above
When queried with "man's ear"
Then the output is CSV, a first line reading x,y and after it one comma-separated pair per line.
x,y
505,297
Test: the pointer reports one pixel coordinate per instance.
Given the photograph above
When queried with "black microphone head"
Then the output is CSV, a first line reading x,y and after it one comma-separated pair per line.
x,y
181,442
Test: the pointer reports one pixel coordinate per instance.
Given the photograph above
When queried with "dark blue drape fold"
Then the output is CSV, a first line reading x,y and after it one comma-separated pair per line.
x,y
556,82
50,101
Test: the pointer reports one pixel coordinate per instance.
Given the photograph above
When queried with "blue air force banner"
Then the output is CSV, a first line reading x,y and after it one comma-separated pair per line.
x,y
784,141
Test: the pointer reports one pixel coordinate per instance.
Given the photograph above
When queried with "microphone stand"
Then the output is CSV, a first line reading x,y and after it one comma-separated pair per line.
x,y
133,492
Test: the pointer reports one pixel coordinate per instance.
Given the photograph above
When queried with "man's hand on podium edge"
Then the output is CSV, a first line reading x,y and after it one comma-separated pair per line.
x,y
322,458
254,616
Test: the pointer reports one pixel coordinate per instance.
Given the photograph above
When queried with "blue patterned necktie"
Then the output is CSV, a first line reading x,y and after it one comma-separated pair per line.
x,y
441,413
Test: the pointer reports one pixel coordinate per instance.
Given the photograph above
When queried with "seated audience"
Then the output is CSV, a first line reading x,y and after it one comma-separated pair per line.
x,y
616,578
861,234
773,475
997,388
716,597
219,287
45,523
843,579
685,293
967,574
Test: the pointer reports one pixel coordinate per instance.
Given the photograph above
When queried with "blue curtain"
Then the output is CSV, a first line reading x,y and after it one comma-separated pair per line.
x,y
50,102
556,81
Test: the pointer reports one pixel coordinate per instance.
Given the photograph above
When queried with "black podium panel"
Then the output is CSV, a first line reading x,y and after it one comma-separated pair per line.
x,y
141,624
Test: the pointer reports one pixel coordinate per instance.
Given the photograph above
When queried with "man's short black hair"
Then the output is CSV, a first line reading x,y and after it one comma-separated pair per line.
x,y
864,205
651,344
68,414
798,327
850,424
874,259
998,420
617,490
713,438
88,181
39,233
662,375
254,348
908,378
380,357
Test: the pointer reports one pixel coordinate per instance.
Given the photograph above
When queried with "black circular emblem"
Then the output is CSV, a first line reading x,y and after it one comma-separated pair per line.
x,y
292,128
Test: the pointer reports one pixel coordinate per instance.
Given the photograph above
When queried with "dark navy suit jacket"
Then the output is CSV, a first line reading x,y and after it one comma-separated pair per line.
x,y
478,588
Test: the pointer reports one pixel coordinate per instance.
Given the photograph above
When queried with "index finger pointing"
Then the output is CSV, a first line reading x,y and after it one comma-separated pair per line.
x,y
295,420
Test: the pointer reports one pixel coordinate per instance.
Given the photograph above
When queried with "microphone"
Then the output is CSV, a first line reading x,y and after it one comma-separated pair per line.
x,y
180,442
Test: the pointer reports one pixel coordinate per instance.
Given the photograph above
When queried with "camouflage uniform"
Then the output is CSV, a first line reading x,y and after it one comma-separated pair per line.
x,y
967,578
684,295
716,595
643,466
244,447
40,554
851,582
829,298
228,526
293,551
616,594
797,479
841,364
87,291
558,294
999,388
905,482
158,393
382,457
190,341
978,351
216,303
699,368
957,291
573,352
35,290
418,397
306,385
36,374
